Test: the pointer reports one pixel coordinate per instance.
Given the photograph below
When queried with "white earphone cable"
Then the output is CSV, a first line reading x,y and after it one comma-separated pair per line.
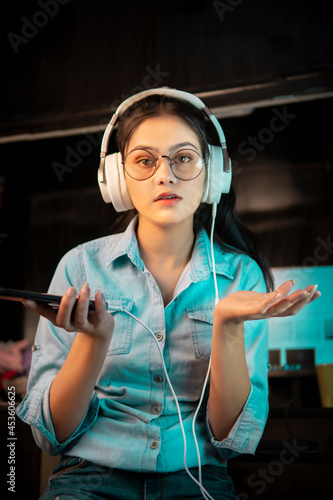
x,y
214,210
204,492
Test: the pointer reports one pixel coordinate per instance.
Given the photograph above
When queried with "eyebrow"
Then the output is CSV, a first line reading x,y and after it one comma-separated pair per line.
x,y
175,146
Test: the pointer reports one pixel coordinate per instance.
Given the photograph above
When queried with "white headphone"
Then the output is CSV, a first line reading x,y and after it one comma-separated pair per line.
x,y
111,178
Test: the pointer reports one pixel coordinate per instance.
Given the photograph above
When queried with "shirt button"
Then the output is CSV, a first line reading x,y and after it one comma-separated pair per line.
x,y
156,409
33,347
154,445
159,337
158,379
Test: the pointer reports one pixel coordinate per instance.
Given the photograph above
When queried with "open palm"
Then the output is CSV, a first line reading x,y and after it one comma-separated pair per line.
x,y
248,305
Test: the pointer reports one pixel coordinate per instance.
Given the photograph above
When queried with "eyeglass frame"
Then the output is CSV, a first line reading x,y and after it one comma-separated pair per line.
x,y
171,164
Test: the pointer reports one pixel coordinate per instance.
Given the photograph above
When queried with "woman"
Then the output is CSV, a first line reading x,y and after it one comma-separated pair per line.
x,y
117,393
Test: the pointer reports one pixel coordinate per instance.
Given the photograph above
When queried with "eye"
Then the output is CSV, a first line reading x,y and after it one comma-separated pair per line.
x,y
182,159
140,159
145,162
185,157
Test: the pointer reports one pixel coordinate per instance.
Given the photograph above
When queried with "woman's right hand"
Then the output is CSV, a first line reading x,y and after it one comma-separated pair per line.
x,y
73,385
99,325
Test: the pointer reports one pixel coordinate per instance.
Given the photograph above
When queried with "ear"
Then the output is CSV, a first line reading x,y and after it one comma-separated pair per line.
x,y
218,175
114,190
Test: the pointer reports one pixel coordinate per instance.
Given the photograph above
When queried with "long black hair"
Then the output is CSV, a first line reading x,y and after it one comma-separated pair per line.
x,y
230,233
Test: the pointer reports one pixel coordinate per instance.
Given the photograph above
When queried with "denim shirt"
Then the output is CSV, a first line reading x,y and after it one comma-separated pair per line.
x,y
132,422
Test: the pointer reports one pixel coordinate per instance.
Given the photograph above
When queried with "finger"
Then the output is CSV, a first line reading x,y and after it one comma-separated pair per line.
x,y
288,300
292,305
21,344
314,292
269,300
281,294
66,308
284,303
100,308
42,309
311,289
80,315
285,288
316,295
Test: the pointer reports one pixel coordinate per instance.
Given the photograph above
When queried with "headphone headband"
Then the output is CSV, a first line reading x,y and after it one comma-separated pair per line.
x,y
212,193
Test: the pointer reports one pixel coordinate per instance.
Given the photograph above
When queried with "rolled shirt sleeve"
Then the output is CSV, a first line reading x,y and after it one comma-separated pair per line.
x,y
246,432
50,351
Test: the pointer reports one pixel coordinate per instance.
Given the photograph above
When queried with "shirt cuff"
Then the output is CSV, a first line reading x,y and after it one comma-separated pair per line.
x,y
246,432
36,412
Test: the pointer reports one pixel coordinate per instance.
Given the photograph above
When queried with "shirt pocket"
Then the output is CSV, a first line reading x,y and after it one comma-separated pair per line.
x,y
201,321
123,331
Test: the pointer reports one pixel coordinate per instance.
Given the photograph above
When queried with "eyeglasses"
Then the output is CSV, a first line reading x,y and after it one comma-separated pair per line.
x,y
141,164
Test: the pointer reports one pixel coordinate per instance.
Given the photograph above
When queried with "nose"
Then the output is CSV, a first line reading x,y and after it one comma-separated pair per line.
x,y
164,173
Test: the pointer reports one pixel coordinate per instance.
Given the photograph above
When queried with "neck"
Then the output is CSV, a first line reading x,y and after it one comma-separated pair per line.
x,y
168,246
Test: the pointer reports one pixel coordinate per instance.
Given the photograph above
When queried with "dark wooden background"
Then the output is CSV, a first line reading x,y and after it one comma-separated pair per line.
x,y
66,66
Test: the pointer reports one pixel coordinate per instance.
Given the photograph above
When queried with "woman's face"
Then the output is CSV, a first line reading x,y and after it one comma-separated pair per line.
x,y
163,198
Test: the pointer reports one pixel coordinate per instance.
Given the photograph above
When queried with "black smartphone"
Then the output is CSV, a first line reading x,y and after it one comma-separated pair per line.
x,y
45,298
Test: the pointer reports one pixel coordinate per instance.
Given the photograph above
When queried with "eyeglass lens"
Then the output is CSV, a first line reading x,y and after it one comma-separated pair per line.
x,y
186,164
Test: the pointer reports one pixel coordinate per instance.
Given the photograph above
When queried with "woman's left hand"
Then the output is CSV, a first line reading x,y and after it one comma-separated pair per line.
x,y
248,305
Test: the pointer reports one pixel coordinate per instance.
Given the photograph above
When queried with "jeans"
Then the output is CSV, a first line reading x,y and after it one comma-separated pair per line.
x,y
77,479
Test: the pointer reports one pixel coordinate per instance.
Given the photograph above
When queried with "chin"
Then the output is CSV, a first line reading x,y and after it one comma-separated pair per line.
x,y
173,219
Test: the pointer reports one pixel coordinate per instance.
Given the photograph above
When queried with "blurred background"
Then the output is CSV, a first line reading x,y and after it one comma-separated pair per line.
x,y
265,69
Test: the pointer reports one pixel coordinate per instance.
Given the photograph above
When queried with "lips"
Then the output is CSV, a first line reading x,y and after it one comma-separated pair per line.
x,y
167,196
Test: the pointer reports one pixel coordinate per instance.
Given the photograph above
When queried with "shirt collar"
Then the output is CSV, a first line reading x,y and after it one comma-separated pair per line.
x,y
200,265
201,262
127,244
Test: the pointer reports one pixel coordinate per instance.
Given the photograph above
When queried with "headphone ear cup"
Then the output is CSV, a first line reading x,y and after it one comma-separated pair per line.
x,y
218,180
116,189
